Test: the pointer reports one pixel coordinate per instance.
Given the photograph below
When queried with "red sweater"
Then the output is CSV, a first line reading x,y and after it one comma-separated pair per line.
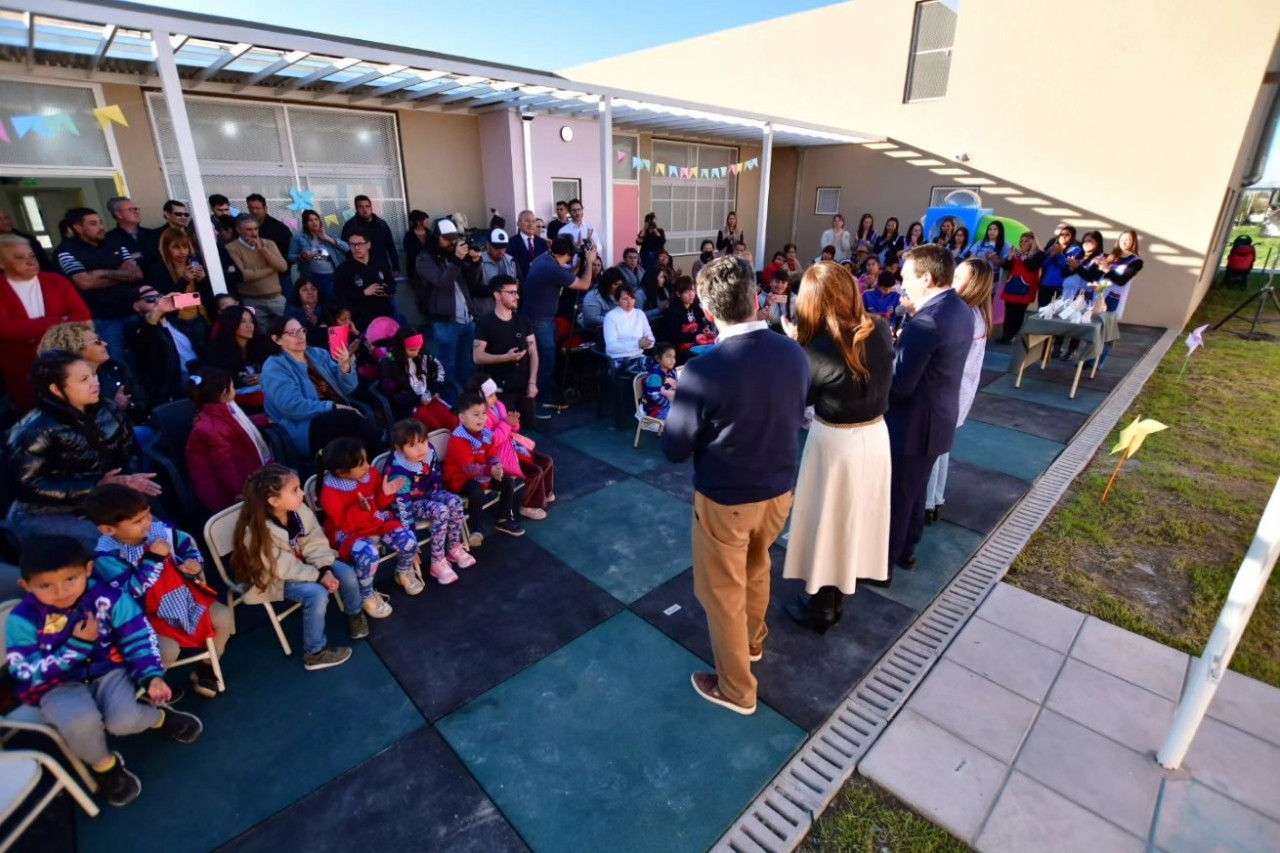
x,y
1018,269
19,334
469,457
347,519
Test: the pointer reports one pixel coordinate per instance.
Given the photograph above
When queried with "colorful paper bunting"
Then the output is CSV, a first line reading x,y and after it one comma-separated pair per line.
x,y
61,121
347,214
4,134
106,115
25,124
302,200
291,224
636,162
622,155
660,169
331,219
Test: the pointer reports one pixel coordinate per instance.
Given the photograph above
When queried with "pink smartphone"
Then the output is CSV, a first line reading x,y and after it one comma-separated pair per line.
x,y
338,339
186,300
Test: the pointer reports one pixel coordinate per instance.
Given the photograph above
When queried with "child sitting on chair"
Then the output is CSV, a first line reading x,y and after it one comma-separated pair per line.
x,y
282,553
472,467
515,451
358,519
660,382
79,650
422,497
161,568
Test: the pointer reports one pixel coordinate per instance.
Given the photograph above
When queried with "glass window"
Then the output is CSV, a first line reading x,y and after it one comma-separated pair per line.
x,y
932,40
692,210
86,147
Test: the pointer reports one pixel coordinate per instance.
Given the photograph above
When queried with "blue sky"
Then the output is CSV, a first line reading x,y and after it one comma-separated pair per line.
x,y
545,36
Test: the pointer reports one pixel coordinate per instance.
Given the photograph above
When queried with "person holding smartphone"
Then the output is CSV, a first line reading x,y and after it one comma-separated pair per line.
x,y
366,283
162,351
179,270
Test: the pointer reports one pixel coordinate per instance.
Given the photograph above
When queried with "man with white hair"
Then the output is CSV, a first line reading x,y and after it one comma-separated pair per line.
x,y
526,245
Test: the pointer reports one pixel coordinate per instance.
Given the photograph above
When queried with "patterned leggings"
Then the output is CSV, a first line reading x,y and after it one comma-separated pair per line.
x,y
444,510
365,554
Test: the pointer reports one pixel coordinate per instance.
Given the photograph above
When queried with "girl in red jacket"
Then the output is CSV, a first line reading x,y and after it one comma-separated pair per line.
x,y
1023,266
472,468
225,446
357,519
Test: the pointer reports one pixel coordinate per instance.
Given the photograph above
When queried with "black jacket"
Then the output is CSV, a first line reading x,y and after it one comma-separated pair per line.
x,y
159,364
58,455
393,381
378,233
114,374
434,280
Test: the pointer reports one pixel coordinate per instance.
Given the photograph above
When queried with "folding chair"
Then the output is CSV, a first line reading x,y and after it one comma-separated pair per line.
x,y
644,423
26,718
20,773
311,493
219,540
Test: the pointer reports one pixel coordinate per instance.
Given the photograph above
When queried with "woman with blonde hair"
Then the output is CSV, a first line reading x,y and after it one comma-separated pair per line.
x,y
840,516
179,271
973,283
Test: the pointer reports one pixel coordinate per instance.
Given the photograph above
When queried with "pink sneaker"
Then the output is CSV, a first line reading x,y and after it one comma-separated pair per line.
x,y
462,557
443,572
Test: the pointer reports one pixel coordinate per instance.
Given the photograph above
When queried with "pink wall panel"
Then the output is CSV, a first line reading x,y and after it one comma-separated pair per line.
x,y
626,220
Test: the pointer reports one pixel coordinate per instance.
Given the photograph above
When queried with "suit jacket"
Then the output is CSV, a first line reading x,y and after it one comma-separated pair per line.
x,y
519,252
924,402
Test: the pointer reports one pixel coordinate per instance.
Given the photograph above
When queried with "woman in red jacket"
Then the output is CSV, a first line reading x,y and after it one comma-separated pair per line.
x,y
225,446
1023,267
31,302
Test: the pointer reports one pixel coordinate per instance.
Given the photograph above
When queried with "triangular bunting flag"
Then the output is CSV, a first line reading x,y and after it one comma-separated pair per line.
x,y
25,124
347,214
706,173
733,168
753,163
660,169
622,155
4,134
684,172
331,219
61,121
291,223
646,164
106,115
635,162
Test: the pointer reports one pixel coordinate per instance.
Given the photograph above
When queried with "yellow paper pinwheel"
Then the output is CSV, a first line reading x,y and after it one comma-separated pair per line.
x,y
1131,438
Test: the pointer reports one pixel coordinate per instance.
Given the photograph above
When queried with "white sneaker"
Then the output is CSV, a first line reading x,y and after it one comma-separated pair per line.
x,y
443,572
411,581
533,513
476,539
377,605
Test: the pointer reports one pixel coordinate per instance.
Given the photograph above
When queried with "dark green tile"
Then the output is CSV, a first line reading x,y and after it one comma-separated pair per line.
x,y
627,538
276,734
1008,451
1045,421
604,745
942,552
1047,393
615,446
996,360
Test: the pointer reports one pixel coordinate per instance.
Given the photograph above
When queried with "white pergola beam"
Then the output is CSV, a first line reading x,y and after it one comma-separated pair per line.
x,y
369,77
604,242
315,76
766,167
379,92
290,58
228,56
108,36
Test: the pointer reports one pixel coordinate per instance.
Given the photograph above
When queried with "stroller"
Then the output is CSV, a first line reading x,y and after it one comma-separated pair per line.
x,y
1240,262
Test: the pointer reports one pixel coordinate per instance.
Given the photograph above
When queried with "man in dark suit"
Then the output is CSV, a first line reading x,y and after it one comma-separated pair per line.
x,y
737,411
924,403
526,244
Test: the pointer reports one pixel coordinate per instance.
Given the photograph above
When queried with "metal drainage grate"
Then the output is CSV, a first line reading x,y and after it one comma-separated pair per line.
x,y
778,820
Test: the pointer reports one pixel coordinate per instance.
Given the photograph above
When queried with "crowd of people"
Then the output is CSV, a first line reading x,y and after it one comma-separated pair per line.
x,y
282,368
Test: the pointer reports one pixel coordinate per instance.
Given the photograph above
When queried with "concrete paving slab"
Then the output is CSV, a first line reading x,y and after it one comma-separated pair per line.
x,y
1243,767
1087,768
1111,706
1249,705
1137,659
980,711
1030,816
951,782
1010,660
1194,818
1047,622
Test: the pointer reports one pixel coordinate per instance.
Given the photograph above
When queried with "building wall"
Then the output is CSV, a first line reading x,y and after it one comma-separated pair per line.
x,y
555,158
442,164
502,163
1136,124
136,143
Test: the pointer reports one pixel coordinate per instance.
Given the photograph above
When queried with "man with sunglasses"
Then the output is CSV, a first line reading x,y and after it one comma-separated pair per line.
x,y
161,351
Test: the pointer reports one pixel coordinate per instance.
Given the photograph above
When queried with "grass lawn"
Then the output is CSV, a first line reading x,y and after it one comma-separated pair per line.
x,y
866,819
1159,556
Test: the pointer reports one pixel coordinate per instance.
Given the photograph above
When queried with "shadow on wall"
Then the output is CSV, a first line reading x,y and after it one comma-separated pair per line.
x,y
1167,292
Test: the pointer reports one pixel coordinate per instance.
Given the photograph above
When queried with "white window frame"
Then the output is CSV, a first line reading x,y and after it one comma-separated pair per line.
x,y
114,172
817,207
662,180
915,38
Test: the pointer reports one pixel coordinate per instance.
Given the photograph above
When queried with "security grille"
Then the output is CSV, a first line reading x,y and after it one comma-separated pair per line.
x,y
246,146
827,202
689,210
931,42
565,189
83,148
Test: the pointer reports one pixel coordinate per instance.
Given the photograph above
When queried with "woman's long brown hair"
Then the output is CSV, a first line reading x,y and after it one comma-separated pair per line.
x,y
253,561
829,301
169,240
977,291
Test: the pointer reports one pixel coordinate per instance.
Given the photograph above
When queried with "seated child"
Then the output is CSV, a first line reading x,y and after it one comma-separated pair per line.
x,y
161,568
472,466
281,552
515,451
660,382
883,299
423,497
79,650
356,502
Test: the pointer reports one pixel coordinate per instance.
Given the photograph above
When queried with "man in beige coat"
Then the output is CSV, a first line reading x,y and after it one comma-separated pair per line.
x,y
260,264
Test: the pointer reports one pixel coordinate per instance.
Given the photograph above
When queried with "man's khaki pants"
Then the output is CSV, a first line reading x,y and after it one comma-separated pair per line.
x,y
731,580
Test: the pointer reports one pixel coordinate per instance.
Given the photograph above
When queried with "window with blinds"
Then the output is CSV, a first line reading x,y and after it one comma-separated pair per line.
x,y
692,210
932,40
248,146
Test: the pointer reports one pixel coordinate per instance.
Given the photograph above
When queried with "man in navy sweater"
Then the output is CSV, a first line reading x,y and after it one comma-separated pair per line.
x,y
924,403
738,412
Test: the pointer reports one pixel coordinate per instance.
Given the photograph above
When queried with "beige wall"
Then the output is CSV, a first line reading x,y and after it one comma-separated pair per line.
x,y
137,145
1156,98
441,154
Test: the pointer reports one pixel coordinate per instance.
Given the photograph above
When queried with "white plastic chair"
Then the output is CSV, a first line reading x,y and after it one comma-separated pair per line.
x,y
645,423
26,718
219,540
20,773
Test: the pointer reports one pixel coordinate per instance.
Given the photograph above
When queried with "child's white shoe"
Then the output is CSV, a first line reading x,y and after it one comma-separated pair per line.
x,y
462,557
476,539
533,513
443,572
377,605
411,581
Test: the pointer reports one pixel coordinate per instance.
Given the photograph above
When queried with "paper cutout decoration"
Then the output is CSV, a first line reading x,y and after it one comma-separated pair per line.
x,y
61,121
753,163
4,135
347,214
733,168
658,168
622,155
25,124
646,165
291,224
331,219
106,115
706,173
636,162
1131,438
302,200
234,211
1194,341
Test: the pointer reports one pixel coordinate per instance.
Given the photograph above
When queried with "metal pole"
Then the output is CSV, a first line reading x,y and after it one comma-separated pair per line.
x,y
605,240
526,134
171,86
762,218
1208,669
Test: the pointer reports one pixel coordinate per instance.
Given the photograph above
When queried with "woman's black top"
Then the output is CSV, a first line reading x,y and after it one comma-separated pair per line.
x,y
837,394
653,241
